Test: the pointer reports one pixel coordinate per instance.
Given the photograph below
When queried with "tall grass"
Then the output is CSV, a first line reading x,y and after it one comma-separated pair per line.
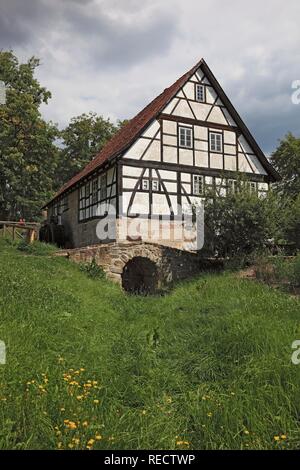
x,y
207,366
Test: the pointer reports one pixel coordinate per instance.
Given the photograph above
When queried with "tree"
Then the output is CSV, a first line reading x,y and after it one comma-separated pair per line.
x,y
82,139
286,160
242,222
28,155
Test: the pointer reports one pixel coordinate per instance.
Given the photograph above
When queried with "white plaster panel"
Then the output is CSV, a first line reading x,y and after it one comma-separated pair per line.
x,y
183,110
201,159
168,175
169,154
170,139
170,106
170,127
211,95
187,187
229,118
201,132
231,149
170,187
185,177
185,157
189,90
153,152
229,137
230,163
243,164
131,171
217,116
129,183
201,110
216,160
152,129
200,145
137,149
160,204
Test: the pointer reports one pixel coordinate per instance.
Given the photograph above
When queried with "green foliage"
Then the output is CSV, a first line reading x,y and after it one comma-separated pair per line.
x,y
36,248
28,155
291,221
82,139
242,223
286,160
279,270
207,366
92,270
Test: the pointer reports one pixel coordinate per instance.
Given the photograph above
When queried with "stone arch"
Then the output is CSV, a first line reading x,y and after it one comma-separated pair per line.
x,y
140,276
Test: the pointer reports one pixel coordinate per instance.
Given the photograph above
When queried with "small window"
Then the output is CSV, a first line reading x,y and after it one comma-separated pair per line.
x,y
216,142
198,185
185,137
252,187
145,185
200,93
155,185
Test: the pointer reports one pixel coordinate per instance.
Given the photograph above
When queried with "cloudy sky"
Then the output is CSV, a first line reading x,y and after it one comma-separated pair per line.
x,y
114,56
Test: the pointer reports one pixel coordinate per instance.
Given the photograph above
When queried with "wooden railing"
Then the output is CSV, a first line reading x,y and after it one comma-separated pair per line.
x,y
28,231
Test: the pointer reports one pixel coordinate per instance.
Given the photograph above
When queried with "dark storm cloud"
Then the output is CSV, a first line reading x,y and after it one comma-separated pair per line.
x,y
85,30
121,53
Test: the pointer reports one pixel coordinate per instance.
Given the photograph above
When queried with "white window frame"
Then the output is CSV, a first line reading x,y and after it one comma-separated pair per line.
x,y
214,145
200,95
185,135
198,185
155,182
145,184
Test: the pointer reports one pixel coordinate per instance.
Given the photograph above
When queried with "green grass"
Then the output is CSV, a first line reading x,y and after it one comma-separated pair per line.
x,y
207,366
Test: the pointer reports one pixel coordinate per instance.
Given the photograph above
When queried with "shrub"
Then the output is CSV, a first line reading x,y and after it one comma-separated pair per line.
x,y
92,270
241,223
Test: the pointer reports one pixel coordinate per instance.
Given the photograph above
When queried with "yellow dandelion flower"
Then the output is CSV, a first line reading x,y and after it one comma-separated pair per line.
x,y
98,437
85,424
59,445
96,402
91,442
283,436
246,431
71,446
71,425
62,409
82,369
76,441
276,438
209,415
80,397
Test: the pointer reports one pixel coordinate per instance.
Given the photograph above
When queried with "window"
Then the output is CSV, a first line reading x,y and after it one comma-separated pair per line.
x,y
252,187
200,93
90,195
216,142
232,186
185,137
155,185
145,185
198,185
103,188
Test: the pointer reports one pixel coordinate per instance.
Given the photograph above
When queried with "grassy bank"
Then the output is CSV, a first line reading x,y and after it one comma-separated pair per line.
x,y
207,366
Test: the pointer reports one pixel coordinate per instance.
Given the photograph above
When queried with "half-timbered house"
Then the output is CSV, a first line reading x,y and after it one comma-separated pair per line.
x,y
187,141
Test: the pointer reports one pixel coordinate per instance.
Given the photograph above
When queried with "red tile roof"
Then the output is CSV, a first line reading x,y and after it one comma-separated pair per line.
x,y
127,134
